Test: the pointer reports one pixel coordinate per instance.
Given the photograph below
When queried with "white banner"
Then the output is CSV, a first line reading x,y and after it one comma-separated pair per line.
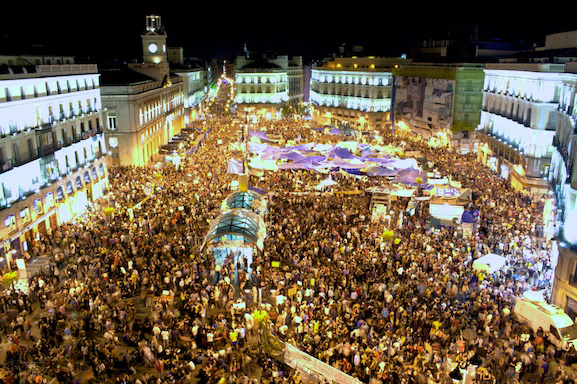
x,y
298,359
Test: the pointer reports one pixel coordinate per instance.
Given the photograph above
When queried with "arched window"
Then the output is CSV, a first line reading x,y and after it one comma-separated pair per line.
x,y
49,200
60,193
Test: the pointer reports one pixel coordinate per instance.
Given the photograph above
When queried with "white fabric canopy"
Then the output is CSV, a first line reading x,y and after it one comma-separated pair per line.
x,y
490,263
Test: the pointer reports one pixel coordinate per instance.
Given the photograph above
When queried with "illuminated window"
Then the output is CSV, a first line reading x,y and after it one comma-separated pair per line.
x,y
10,221
49,200
37,205
25,214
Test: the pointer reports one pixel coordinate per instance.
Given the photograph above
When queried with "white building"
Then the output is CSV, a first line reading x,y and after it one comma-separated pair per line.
x,y
563,205
518,120
52,150
264,84
354,91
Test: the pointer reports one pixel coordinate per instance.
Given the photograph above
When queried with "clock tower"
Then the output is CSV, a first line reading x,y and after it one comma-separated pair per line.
x,y
154,55
154,41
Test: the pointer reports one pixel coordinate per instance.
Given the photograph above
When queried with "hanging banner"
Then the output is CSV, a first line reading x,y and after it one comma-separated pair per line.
x,y
301,361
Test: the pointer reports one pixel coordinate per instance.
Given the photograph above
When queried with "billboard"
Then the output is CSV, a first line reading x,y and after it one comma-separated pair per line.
x,y
425,103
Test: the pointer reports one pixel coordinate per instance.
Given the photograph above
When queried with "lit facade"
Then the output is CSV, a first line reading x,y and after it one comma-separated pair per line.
x,y
195,90
518,122
353,91
265,84
52,149
563,179
145,102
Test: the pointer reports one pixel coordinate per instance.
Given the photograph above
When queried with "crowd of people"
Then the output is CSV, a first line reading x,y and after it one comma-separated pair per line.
x,y
129,296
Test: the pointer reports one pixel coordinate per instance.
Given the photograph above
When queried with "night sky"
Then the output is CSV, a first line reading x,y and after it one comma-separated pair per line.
x,y
104,30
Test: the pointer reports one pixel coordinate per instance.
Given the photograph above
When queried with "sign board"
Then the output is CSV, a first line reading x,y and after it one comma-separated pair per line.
x,y
446,211
448,192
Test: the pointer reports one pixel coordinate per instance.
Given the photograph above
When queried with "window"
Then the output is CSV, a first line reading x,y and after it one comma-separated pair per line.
x,y
10,221
25,214
49,200
554,332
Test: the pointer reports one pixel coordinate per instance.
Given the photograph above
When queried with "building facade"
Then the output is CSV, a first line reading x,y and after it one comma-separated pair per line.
x,y
195,89
563,204
518,122
440,98
264,84
52,149
146,102
354,91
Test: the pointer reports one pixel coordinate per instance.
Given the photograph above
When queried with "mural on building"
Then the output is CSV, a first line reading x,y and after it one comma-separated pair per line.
x,y
425,103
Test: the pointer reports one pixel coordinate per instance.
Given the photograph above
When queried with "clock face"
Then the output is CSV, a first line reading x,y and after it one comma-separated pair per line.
x,y
152,48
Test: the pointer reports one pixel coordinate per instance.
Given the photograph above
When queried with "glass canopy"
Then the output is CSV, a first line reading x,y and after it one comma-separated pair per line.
x,y
246,200
236,227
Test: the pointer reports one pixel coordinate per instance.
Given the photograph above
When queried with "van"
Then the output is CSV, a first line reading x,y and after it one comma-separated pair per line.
x,y
533,310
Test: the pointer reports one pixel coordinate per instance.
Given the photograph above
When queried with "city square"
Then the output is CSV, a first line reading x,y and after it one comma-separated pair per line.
x,y
241,235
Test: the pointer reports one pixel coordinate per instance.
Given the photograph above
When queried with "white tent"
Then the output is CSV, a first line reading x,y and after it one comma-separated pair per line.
x,y
326,183
490,263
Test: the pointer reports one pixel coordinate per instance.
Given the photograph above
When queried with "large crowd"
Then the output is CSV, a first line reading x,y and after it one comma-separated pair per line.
x,y
128,296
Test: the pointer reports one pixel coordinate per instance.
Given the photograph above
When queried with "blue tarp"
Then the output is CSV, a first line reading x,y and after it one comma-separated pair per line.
x,y
259,135
338,162
470,216
294,156
257,190
343,153
257,147
409,176
353,171
307,163
382,171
